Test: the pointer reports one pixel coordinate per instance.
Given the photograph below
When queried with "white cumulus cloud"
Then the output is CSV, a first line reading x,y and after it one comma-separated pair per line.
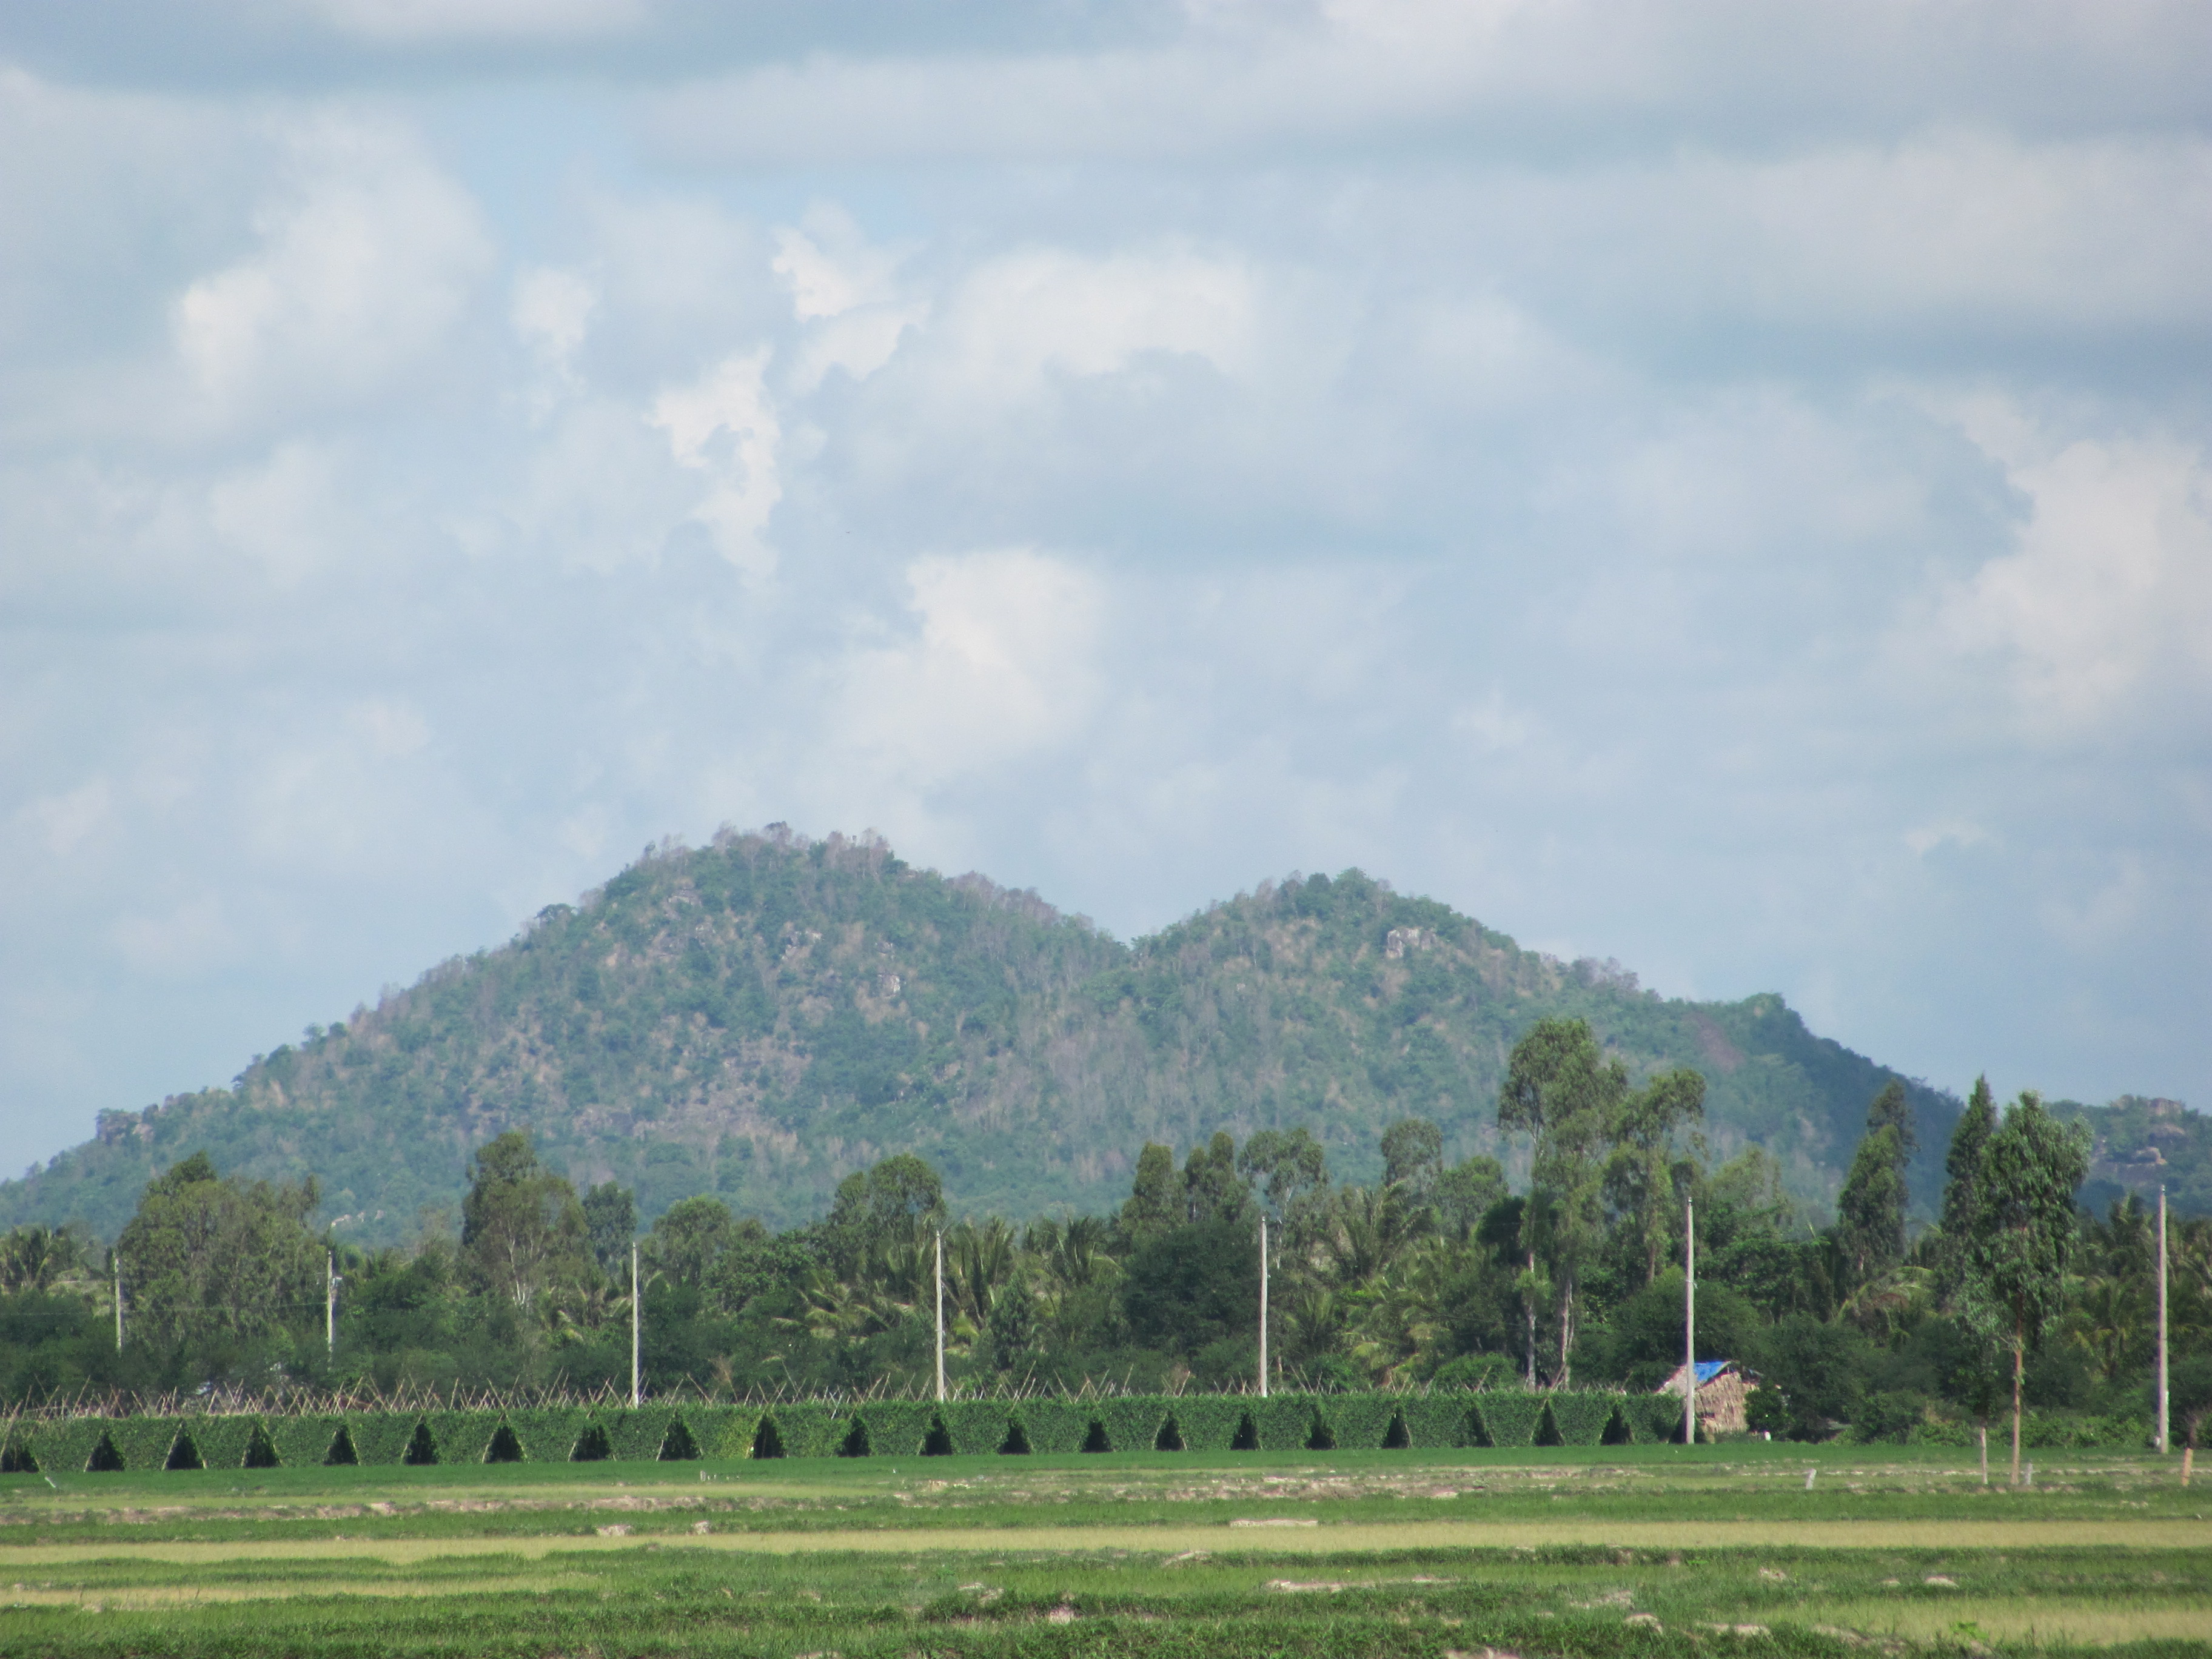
x,y
365,263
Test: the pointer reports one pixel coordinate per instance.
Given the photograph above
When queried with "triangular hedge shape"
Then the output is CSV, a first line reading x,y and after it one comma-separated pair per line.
x,y
677,1446
260,1450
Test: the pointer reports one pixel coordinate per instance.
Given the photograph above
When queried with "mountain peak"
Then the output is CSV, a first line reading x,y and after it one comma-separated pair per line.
x,y
761,1016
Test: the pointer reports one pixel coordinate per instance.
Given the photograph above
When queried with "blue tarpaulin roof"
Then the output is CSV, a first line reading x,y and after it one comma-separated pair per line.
x,y
1710,1369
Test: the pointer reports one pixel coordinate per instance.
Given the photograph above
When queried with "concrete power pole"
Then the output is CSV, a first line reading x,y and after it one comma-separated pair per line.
x,y
2165,1443
941,1318
118,1305
1263,1307
331,1304
1689,1322
636,1335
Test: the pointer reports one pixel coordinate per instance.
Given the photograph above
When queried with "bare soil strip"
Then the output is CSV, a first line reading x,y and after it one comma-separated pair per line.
x,y
1219,1539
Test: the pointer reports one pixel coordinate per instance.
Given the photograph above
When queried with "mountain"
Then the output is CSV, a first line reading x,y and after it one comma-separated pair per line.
x,y
760,1016
2142,1144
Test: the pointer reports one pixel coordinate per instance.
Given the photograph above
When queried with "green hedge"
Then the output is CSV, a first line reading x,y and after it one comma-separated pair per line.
x,y
1653,1419
549,1434
1205,1422
221,1441
303,1443
63,1445
380,1439
1054,1427
143,1443
1356,1422
811,1428
634,1435
1581,1417
723,1431
891,1428
1508,1420
461,1437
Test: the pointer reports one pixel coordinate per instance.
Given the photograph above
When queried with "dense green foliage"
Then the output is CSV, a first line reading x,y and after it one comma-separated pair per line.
x,y
882,1428
757,1018
1431,1282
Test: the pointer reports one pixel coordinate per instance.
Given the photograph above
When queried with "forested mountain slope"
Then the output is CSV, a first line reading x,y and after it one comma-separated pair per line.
x,y
758,1018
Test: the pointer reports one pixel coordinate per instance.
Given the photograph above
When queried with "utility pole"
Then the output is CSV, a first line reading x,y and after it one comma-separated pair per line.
x,y
2165,1443
1263,1307
331,1304
118,1305
1689,1321
637,1335
940,1317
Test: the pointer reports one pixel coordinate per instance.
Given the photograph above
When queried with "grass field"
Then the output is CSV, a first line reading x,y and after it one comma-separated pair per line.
x,y
1633,1550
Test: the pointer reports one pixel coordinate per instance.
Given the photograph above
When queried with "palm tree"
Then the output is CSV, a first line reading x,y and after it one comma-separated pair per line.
x,y
1398,1317
2106,1323
978,1260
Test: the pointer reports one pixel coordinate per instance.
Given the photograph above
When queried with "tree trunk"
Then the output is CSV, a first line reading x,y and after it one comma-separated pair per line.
x,y
2018,1361
1532,1324
1566,1337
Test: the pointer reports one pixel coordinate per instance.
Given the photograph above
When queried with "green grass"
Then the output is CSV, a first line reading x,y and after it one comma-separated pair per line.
x,y
1659,1551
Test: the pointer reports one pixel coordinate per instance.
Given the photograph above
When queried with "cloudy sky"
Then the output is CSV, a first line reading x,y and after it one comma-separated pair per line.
x,y
1720,486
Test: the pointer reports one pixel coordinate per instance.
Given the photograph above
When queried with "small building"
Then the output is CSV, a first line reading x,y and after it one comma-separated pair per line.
x,y
1721,1388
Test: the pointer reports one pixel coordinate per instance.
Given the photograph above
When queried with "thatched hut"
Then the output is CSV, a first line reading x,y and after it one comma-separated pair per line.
x,y
1721,1388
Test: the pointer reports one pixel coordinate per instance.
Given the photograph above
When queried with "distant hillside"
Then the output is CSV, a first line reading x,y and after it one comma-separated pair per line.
x,y
758,1018
2142,1145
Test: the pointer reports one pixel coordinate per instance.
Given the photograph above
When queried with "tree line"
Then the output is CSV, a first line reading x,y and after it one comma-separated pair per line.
x,y
1436,1273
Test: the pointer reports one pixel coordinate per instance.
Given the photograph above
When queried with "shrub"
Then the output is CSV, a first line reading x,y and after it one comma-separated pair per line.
x,y
1768,1410
1889,1415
